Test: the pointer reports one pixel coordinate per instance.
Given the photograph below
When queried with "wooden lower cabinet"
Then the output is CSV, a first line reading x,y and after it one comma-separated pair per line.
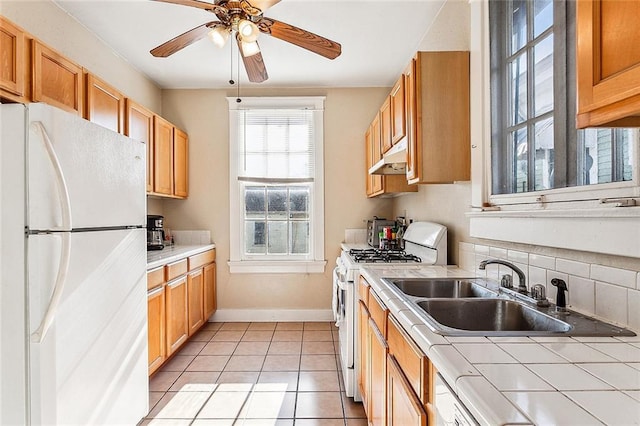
x,y
195,284
156,328
364,355
210,304
377,414
404,408
177,324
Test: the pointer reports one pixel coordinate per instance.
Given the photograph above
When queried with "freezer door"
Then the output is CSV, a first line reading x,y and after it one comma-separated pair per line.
x,y
91,366
103,173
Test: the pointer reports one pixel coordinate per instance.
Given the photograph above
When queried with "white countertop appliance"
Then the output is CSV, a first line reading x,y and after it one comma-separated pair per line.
x,y
73,299
425,244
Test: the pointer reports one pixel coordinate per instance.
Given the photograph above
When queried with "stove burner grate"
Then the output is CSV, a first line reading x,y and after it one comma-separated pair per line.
x,y
373,255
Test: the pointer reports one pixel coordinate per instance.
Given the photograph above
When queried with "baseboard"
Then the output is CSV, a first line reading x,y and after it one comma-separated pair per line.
x,y
271,315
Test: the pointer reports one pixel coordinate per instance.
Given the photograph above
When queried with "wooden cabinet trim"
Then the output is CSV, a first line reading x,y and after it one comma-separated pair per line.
x,y
175,269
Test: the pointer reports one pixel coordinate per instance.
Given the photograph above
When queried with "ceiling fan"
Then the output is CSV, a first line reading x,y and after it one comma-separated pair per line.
x,y
246,21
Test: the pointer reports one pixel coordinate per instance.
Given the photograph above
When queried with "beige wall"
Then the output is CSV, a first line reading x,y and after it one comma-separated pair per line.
x,y
46,21
204,115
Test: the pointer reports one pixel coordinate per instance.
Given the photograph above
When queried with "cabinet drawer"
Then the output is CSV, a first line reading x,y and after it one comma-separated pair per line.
x,y
155,277
378,313
201,259
176,269
413,362
363,291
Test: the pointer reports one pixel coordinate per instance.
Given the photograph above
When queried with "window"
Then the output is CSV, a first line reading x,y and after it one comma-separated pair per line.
x,y
535,146
276,185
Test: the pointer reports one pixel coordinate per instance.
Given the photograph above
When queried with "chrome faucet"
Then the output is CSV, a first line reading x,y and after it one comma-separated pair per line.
x,y
522,286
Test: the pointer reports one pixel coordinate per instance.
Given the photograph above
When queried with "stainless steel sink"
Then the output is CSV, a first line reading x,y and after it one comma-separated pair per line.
x,y
489,317
441,287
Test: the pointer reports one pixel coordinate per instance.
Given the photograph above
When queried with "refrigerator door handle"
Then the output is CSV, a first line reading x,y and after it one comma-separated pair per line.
x,y
61,183
63,266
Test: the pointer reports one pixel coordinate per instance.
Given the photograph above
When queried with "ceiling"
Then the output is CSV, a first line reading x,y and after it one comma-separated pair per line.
x,y
378,38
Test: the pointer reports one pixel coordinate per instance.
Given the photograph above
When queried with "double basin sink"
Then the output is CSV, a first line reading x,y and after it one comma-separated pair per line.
x,y
466,307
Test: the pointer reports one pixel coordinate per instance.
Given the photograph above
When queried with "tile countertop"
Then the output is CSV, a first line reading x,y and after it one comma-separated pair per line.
x,y
170,254
525,380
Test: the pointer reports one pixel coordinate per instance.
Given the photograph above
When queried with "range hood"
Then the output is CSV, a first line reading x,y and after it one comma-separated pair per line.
x,y
394,161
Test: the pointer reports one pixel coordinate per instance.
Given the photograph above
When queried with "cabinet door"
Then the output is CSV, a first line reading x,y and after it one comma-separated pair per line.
x,y
377,414
398,110
12,60
177,327
411,113
608,63
138,125
162,156
376,154
385,125
156,328
195,292
210,304
180,163
104,104
56,80
364,354
404,408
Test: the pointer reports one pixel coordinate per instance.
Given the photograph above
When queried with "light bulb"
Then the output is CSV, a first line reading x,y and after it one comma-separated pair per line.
x,y
248,31
219,36
249,48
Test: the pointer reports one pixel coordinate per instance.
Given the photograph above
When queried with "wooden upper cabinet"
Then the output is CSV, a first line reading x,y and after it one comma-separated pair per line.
x,y
104,104
13,67
56,80
398,111
440,149
413,157
162,156
375,154
138,124
608,63
180,163
385,125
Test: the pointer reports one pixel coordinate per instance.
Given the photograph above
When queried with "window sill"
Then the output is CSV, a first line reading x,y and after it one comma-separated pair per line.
x,y
605,230
276,267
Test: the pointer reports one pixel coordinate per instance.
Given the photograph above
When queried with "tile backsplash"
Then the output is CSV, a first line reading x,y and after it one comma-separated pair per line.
x,y
191,238
607,293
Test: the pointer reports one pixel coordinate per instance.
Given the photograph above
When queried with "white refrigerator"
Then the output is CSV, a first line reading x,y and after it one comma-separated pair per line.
x,y
73,319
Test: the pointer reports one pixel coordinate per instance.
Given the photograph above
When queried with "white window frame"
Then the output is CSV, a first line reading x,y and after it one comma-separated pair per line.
x,y
586,218
314,262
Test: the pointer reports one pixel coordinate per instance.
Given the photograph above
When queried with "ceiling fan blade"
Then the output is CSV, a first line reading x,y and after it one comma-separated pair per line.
x,y
183,40
302,38
193,3
254,65
263,4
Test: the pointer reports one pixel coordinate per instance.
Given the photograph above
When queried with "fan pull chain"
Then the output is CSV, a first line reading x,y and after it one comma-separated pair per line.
x,y
238,100
231,82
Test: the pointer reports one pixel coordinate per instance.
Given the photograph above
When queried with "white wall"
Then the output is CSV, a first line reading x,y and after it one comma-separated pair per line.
x,y
204,115
50,24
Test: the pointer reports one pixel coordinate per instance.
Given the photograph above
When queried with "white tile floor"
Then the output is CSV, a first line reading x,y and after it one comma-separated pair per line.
x,y
254,374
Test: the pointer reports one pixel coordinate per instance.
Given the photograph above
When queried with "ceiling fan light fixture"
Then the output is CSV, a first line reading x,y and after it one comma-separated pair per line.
x,y
248,30
249,48
219,36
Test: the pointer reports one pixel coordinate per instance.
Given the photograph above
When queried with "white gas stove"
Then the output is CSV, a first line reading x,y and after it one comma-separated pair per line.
x,y
425,244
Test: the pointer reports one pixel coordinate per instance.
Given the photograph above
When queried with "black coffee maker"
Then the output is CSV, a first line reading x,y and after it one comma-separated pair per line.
x,y
155,232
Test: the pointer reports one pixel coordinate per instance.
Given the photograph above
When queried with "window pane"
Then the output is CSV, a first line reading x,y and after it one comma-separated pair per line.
x,y
300,237
625,148
299,203
521,169
544,155
255,237
298,165
518,91
543,76
542,16
595,156
277,203
254,202
277,237
277,138
518,25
